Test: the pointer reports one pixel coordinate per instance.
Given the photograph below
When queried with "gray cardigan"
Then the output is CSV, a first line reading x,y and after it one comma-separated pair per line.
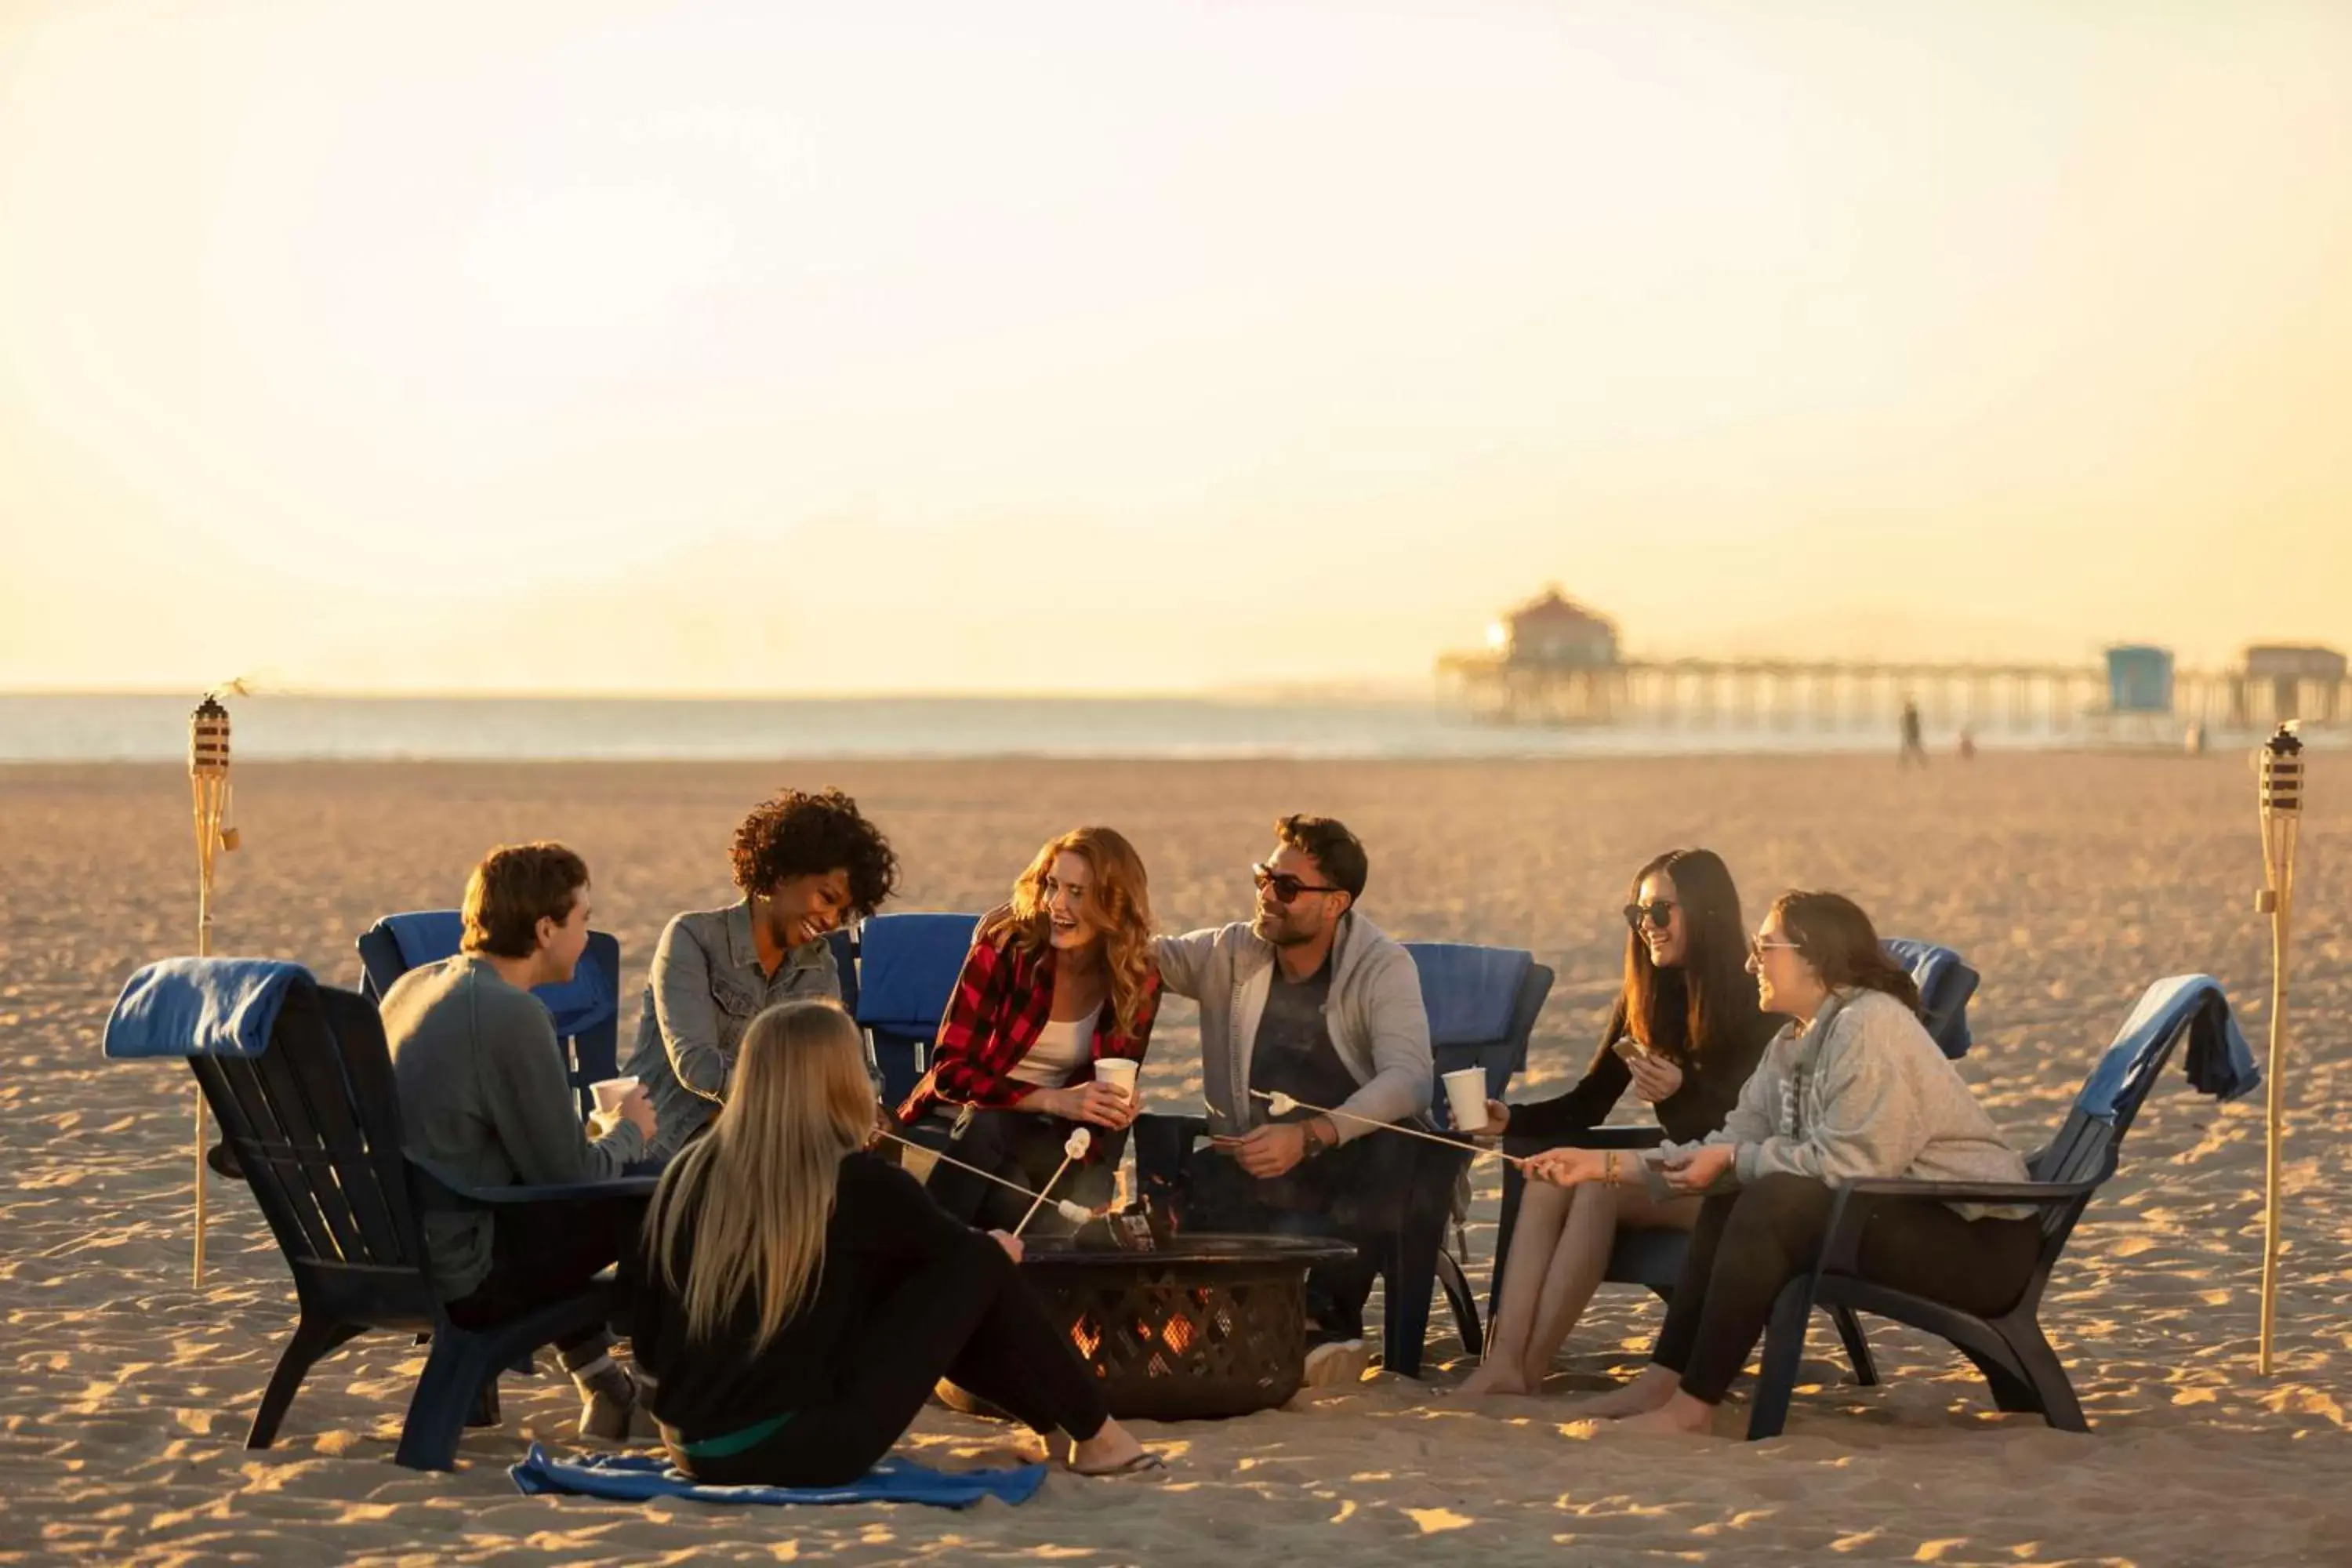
x,y
1378,1022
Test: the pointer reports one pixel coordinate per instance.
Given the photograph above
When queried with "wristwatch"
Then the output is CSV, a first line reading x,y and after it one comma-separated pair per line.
x,y
1315,1144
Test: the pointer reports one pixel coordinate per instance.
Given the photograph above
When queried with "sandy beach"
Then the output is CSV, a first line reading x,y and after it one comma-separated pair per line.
x,y
2070,880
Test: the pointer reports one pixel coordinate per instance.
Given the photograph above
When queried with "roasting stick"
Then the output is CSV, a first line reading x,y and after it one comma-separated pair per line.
x,y
1282,1105
1074,1147
1077,1213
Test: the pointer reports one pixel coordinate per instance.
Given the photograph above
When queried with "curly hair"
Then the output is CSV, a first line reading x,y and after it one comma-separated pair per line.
x,y
797,833
1121,905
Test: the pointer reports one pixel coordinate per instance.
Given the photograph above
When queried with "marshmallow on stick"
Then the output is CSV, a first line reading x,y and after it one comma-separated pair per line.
x,y
1074,1147
1077,1213
1281,1104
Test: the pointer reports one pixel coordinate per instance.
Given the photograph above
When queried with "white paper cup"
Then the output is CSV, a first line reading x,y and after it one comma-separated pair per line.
x,y
610,1093
1466,1092
1118,1072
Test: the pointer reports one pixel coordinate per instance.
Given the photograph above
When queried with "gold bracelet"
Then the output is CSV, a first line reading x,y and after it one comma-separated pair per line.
x,y
1609,1169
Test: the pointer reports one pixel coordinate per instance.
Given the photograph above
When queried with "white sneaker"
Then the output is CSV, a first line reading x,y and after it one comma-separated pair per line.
x,y
1337,1363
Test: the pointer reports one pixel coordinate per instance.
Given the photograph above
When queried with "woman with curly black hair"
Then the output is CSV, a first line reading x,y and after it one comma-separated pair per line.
x,y
806,864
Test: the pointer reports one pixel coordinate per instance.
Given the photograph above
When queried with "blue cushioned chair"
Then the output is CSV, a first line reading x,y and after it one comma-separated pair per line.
x,y
907,965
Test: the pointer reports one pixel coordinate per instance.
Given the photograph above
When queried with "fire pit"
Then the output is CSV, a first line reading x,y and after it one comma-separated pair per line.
x,y
1201,1328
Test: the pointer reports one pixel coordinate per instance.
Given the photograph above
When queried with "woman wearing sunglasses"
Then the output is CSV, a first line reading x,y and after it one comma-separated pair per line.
x,y
1684,1035
1852,1088
1058,981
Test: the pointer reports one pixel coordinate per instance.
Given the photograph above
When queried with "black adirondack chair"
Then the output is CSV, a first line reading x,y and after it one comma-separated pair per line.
x,y
1654,1259
1415,1259
2009,1349
314,1124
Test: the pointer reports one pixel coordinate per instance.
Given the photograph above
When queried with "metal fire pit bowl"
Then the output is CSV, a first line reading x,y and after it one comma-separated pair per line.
x,y
1201,1327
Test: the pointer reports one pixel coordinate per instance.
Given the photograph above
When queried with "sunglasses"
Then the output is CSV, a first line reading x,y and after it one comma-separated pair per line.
x,y
1758,947
1285,886
1659,912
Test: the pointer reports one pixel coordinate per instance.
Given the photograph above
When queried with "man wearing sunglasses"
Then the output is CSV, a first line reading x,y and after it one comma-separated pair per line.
x,y
1310,1000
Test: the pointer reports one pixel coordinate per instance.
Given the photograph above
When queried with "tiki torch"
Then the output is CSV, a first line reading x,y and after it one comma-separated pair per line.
x,y
2281,761
208,787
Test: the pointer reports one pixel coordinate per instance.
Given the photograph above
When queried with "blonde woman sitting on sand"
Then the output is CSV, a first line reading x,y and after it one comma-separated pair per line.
x,y
795,1298
1854,1088
1684,1035
1056,999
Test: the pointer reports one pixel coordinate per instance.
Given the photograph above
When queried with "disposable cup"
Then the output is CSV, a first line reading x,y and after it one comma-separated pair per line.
x,y
1118,1072
609,1094
1466,1092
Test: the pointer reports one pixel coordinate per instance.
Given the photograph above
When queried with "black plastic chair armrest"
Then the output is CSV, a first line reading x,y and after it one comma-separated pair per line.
x,y
1842,1244
437,1196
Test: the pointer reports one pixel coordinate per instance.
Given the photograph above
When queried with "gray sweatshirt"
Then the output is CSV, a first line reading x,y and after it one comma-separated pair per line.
x,y
1879,1100
1378,1024
485,1102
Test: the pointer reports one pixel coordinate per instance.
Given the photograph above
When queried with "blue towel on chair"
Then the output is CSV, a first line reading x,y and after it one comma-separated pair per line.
x,y
1470,992
201,1008
2217,1064
1946,983
632,1479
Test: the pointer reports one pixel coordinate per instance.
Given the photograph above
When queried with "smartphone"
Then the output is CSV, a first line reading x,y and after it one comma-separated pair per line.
x,y
1631,1049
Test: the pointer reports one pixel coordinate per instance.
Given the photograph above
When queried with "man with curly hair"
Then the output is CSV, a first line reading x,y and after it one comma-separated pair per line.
x,y
805,863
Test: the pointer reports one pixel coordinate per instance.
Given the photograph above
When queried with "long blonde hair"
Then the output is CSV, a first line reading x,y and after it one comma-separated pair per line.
x,y
759,1186
1122,907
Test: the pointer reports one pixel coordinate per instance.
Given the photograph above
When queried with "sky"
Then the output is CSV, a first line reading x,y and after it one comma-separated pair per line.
x,y
932,347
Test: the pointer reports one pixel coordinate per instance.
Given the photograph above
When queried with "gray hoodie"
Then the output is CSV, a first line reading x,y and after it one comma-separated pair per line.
x,y
1879,1099
1378,1022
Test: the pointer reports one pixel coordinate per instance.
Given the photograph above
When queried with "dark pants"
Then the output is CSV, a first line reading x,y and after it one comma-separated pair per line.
x,y
1023,1147
543,1252
1748,1245
1357,1194
967,1316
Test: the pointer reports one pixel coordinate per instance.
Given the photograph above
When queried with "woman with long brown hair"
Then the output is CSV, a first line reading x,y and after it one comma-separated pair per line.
x,y
1854,1088
795,1298
1685,1034
1059,980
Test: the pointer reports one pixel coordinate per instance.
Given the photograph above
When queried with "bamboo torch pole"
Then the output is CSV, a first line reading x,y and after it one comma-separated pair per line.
x,y
208,789
2282,812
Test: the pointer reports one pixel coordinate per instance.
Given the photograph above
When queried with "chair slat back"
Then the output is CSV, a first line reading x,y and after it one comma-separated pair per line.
x,y
314,1123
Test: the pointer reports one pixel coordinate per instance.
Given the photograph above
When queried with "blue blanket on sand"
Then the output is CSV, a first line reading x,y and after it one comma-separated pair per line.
x,y
629,1478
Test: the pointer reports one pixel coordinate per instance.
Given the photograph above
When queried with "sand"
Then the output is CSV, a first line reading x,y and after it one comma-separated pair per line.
x,y
2071,881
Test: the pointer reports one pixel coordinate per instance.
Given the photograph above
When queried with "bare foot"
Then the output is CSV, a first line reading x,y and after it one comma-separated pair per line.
x,y
1645,1394
1110,1452
1493,1377
1680,1416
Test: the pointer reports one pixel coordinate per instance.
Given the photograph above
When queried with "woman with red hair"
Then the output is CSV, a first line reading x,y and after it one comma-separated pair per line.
x,y
1058,980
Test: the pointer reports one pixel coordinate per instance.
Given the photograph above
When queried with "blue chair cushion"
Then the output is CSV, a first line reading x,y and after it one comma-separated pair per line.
x,y
1946,983
907,969
1471,992
201,1008
591,996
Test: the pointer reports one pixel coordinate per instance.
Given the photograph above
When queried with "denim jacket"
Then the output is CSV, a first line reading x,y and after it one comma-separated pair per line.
x,y
704,990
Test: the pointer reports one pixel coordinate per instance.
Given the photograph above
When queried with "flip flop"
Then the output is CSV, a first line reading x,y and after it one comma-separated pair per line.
x,y
1143,1462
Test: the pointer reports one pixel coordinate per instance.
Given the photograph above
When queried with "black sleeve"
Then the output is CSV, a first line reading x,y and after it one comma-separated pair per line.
x,y
880,1209
1583,1106
1711,1085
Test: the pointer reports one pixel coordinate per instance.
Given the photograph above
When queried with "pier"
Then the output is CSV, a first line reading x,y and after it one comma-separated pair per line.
x,y
1557,664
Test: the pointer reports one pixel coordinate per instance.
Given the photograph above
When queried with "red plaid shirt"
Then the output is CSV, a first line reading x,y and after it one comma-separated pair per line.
x,y
1002,1001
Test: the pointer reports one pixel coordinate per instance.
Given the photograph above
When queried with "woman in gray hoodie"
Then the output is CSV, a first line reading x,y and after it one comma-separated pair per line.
x,y
1852,1088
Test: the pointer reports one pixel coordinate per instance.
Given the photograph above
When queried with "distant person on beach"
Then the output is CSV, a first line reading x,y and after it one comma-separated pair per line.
x,y
1915,749
796,1298
1311,1000
1968,746
1056,999
1852,1088
1685,1034
805,863
485,1102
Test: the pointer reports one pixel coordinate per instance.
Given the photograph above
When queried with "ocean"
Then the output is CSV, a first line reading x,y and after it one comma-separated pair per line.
x,y
154,729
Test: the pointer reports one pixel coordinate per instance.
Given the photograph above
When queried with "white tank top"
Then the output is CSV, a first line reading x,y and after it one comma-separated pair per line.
x,y
1060,1050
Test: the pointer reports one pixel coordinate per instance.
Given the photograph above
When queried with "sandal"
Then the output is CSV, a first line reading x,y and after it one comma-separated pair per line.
x,y
1142,1463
